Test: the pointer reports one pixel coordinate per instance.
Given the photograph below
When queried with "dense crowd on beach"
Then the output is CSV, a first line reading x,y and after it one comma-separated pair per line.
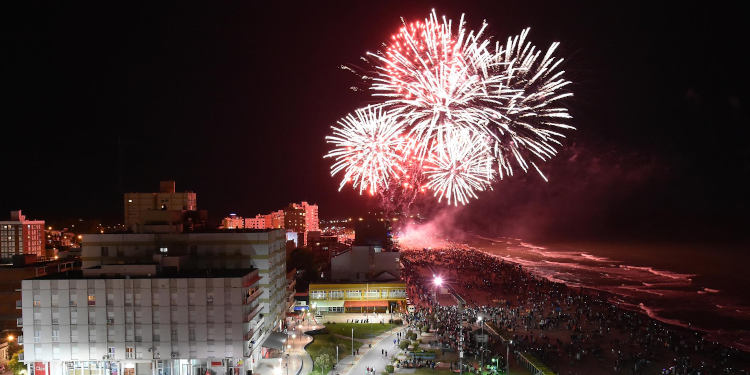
x,y
573,331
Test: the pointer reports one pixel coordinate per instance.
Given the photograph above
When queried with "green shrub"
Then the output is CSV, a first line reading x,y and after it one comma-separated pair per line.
x,y
389,369
404,344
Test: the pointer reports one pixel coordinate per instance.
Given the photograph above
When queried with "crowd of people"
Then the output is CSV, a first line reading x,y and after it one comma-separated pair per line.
x,y
573,331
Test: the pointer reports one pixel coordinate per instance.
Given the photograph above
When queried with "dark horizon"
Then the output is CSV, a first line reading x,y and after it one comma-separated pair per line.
x,y
233,102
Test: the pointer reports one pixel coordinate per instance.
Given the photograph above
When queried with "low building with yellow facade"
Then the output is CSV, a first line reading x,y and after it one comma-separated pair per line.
x,y
358,297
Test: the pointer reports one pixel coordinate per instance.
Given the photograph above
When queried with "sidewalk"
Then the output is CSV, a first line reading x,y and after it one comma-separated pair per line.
x,y
371,357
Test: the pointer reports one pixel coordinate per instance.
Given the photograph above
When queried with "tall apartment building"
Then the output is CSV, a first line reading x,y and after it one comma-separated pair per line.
x,y
301,218
114,261
264,250
136,320
294,218
165,208
21,236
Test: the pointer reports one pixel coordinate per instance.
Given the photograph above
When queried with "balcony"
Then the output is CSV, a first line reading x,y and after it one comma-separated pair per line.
x,y
254,295
19,304
19,322
249,317
20,340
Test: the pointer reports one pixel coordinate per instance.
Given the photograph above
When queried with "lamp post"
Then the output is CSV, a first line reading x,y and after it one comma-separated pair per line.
x,y
507,356
481,349
352,341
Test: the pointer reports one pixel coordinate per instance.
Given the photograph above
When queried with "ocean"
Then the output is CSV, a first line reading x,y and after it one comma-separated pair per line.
x,y
702,287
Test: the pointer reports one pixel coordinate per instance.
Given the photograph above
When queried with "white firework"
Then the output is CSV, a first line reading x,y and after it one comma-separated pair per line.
x,y
438,81
533,117
462,167
366,147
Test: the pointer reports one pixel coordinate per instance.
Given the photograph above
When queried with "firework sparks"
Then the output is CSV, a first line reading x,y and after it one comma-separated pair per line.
x,y
366,147
461,168
457,112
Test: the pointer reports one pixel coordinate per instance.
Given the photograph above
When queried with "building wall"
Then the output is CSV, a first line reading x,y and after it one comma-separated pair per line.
x,y
233,222
224,250
21,237
275,220
139,320
323,294
136,204
257,222
363,263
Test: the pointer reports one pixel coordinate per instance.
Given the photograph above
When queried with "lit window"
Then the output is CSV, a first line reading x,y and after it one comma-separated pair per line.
x,y
163,250
92,300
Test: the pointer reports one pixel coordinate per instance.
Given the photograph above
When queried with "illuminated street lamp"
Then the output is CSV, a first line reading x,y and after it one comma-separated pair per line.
x,y
11,338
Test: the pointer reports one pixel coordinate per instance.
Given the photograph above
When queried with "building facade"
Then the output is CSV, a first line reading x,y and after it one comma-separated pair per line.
x,y
301,218
366,263
257,222
264,250
181,323
140,208
358,297
233,222
21,236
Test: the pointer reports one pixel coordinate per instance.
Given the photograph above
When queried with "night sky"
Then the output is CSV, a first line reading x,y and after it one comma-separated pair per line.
x,y
234,101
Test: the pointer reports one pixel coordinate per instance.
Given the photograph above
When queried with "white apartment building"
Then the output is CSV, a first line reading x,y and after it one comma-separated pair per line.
x,y
264,250
99,322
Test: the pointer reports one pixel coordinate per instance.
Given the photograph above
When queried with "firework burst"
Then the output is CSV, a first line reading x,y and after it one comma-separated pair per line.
x,y
456,172
457,112
366,149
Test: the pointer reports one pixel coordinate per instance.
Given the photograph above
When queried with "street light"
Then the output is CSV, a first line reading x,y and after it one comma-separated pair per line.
x,y
507,356
11,338
481,350
352,341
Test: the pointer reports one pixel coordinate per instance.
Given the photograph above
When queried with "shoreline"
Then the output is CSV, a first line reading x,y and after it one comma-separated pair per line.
x,y
487,280
641,308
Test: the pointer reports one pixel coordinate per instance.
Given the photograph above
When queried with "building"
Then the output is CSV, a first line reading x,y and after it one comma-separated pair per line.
x,y
220,297
358,297
264,250
135,320
301,218
365,263
21,236
257,222
162,211
294,218
275,220
233,222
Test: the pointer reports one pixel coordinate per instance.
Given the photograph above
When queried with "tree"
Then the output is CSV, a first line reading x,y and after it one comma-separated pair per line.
x,y
15,365
325,362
